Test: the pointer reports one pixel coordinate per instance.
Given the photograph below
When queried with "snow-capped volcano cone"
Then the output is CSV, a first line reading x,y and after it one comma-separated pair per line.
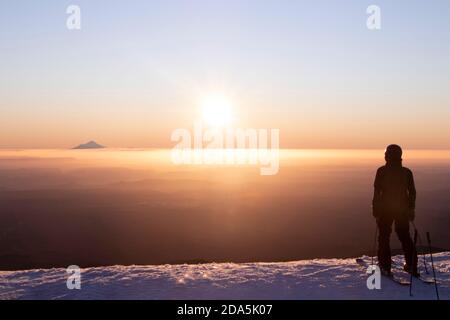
x,y
90,145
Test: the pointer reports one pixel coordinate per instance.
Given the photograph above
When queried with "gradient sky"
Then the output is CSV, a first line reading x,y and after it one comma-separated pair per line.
x,y
138,69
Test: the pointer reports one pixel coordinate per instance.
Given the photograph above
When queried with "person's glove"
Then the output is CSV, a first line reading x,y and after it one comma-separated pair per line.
x,y
411,214
375,212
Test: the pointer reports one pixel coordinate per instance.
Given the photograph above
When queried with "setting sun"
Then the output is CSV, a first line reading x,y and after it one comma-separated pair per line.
x,y
216,111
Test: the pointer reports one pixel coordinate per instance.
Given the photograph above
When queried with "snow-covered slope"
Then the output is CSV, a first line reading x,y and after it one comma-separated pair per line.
x,y
308,279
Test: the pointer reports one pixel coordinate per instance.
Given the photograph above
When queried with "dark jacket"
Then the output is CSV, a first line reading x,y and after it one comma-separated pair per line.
x,y
395,192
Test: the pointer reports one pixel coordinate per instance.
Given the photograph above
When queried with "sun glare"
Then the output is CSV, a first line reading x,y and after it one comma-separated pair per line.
x,y
216,111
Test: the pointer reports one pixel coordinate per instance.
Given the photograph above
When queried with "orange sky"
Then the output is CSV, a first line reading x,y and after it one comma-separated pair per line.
x,y
319,76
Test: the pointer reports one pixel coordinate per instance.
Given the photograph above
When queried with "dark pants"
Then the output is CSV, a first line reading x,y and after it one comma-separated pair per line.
x,y
402,230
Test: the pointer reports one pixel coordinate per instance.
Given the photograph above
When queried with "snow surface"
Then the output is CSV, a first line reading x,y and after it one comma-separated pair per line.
x,y
307,279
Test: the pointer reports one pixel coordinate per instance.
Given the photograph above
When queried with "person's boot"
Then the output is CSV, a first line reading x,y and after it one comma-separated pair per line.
x,y
412,271
386,271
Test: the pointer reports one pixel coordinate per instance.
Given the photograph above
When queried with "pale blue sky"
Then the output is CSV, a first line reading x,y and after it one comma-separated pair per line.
x,y
311,68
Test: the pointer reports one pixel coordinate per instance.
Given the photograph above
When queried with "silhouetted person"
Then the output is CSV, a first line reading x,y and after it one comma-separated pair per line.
x,y
394,202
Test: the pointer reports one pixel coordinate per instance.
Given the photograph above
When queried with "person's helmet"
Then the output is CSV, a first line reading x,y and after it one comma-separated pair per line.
x,y
393,152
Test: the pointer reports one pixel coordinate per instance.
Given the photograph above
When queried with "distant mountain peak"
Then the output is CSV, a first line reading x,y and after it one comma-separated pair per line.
x,y
90,145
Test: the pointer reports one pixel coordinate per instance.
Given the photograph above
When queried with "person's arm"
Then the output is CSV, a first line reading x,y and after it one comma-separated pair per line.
x,y
411,195
377,191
